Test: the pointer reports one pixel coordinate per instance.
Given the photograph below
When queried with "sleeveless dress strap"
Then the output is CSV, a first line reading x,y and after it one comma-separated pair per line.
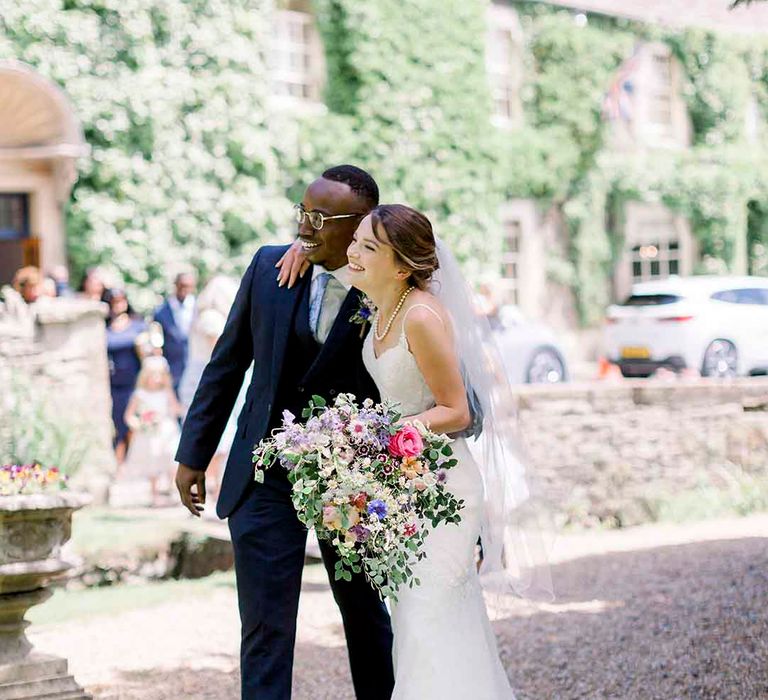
x,y
403,338
427,307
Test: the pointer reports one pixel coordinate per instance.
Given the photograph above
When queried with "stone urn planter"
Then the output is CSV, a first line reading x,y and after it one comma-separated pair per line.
x,y
33,529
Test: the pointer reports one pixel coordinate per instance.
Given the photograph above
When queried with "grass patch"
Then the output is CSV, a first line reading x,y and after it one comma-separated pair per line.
x,y
96,530
742,495
68,605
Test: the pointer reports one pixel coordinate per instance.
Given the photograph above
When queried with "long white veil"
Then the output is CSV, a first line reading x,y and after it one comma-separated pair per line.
x,y
516,533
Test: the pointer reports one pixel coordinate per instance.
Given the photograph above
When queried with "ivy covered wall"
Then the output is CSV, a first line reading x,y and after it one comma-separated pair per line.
x,y
172,98
192,163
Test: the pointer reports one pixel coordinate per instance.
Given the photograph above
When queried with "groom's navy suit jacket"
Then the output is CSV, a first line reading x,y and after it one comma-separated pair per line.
x,y
268,325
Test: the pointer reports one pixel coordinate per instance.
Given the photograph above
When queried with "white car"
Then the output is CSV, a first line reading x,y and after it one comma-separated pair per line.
x,y
715,325
530,350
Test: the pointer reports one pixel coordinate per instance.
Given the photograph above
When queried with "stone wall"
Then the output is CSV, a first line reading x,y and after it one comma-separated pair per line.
x,y
608,452
58,346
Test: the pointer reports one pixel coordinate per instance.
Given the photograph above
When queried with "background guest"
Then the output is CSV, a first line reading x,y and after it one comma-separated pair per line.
x,y
94,284
175,317
123,330
211,311
60,276
28,282
48,287
152,414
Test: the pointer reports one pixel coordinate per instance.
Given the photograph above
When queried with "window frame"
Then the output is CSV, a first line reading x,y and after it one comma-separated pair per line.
x,y
511,286
504,76
310,78
24,232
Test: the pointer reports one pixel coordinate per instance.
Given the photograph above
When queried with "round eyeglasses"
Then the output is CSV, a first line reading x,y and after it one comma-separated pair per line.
x,y
316,218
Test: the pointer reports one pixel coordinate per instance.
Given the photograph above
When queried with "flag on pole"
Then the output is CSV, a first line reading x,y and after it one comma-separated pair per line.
x,y
617,102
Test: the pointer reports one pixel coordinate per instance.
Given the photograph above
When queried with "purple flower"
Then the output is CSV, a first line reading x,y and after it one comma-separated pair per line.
x,y
360,532
378,508
288,418
441,476
365,313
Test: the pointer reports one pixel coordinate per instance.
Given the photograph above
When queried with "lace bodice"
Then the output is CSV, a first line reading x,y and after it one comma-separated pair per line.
x,y
397,375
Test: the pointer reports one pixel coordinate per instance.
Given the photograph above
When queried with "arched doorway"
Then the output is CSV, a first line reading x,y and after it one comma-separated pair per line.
x,y
40,141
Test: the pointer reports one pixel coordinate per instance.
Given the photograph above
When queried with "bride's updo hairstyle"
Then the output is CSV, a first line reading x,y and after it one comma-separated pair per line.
x,y
410,235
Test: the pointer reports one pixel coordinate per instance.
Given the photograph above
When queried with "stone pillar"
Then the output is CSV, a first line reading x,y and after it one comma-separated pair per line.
x,y
59,346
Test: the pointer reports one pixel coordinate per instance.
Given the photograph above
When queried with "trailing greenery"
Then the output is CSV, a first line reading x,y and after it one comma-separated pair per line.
x,y
171,94
193,163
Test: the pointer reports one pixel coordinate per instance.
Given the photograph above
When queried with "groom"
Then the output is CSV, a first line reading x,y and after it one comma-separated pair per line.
x,y
301,342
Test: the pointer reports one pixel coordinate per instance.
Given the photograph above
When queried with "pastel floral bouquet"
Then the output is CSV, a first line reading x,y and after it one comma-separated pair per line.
x,y
366,482
148,420
21,479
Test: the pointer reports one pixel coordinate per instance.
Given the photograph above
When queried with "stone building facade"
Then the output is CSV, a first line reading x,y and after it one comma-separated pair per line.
x,y
40,141
56,349
650,117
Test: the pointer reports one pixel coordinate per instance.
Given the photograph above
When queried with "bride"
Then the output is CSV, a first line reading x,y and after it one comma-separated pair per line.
x,y
444,646
428,351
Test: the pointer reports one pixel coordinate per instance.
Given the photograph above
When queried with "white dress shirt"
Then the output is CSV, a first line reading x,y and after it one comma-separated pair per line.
x,y
182,312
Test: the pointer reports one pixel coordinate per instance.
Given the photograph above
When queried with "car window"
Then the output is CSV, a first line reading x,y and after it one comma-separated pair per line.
x,y
743,296
651,299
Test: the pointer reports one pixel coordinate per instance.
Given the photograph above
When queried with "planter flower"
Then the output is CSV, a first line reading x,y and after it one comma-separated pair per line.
x,y
35,521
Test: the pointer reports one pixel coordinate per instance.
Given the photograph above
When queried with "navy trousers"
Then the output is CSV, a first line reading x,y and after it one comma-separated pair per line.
x,y
269,542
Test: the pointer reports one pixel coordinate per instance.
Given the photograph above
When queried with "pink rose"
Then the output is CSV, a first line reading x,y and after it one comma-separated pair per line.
x,y
331,518
406,442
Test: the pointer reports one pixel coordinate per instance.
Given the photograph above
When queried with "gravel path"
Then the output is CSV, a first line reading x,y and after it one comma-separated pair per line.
x,y
647,613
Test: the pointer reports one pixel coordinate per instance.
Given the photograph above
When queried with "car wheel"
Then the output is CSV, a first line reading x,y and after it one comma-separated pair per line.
x,y
720,359
546,367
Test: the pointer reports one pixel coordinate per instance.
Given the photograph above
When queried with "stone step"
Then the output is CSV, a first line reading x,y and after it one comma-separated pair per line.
x,y
33,667
63,695
51,688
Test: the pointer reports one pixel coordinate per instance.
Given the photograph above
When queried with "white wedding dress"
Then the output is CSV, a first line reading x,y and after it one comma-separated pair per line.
x,y
444,646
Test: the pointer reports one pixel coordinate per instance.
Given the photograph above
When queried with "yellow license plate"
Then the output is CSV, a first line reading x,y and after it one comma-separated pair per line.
x,y
633,353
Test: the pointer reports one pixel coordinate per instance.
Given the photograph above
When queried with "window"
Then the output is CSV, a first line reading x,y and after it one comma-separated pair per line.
x,y
656,250
651,299
655,260
510,259
757,296
296,56
660,89
504,63
14,216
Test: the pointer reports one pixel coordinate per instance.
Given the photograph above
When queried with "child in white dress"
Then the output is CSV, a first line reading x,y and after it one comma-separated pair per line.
x,y
152,414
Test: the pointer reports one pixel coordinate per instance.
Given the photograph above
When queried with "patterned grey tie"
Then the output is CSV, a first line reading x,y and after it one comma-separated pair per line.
x,y
333,298
316,302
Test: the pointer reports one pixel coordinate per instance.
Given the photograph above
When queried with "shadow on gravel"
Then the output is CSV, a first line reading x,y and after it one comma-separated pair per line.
x,y
320,673
685,621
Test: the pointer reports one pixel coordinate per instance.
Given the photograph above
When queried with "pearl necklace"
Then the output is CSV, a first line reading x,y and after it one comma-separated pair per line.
x,y
399,306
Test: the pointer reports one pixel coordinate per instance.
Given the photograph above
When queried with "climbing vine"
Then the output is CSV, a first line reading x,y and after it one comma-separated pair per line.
x,y
192,163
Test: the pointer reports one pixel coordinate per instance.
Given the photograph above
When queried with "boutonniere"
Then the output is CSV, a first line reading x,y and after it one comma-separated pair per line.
x,y
364,313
